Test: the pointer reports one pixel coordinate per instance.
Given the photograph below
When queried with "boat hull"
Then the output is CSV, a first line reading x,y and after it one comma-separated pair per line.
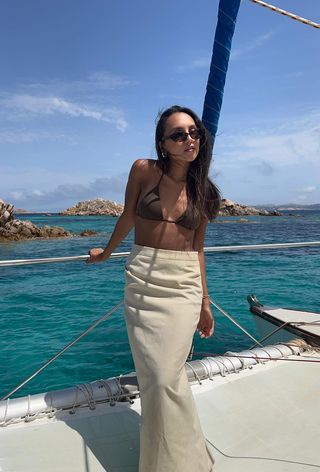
x,y
282,324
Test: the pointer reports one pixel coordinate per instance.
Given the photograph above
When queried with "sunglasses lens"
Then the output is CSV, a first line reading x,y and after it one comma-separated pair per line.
x,y
195,133
179,136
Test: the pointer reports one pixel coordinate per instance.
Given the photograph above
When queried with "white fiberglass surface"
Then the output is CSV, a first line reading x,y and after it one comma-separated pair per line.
x,y
265,418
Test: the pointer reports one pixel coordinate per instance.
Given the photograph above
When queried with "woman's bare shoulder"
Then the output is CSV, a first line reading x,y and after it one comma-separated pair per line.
x,y
145,168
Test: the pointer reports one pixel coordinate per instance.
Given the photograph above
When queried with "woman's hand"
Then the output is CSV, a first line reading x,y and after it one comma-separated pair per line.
x,y
206,321
96,255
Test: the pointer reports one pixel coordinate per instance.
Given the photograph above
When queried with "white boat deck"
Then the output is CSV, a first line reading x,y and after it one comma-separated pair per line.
x,y
261,419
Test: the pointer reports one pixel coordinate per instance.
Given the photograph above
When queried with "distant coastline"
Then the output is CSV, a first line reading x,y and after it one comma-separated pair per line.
x,y
267,207
44,213
291,207
315,207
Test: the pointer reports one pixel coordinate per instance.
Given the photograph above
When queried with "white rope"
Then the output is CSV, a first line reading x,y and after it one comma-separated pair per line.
x,y
77,403
286,13
301,344
194,373
4,420
86,389
236,369
28,416
221,366
208,372
112,397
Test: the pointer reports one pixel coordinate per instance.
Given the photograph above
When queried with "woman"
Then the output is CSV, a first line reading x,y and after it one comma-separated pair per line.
x,y
169,202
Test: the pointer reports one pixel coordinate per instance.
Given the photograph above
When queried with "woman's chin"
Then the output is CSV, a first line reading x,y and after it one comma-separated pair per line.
x,y
190,156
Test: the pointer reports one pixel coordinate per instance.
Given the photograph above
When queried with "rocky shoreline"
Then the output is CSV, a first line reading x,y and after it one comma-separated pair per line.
x,y
12,229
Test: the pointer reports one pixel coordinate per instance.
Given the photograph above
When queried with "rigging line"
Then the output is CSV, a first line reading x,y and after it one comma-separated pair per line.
x,y
267,336
294,324
62,351
230,318
208,354
261,458
286,13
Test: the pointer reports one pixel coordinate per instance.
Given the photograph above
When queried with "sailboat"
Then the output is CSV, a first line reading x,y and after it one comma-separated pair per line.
x,y
259,408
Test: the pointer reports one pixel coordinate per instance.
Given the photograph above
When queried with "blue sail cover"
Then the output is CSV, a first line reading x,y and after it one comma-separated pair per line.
x,y
227,15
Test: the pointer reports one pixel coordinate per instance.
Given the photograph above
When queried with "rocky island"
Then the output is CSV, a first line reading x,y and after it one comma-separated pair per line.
x,y
230,208
99,206
12,229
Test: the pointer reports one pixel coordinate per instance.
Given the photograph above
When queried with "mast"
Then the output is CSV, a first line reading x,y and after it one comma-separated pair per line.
x,y
227,15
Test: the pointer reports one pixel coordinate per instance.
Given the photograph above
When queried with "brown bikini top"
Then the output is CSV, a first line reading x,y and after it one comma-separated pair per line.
x,y
149,208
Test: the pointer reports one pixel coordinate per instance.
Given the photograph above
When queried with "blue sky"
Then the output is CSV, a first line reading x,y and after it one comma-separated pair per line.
x,y
82,83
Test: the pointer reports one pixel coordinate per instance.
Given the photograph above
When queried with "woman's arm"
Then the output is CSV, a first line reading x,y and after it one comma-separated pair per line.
x,y
127,218
206,321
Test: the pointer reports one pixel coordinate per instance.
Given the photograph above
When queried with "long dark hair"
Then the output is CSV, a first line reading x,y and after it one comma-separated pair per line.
x,y
203,195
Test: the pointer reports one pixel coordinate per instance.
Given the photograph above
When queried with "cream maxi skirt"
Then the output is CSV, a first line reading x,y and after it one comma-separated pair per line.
x,y
162,303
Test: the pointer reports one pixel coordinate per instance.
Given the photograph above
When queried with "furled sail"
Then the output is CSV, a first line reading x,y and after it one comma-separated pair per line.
x,y
227,15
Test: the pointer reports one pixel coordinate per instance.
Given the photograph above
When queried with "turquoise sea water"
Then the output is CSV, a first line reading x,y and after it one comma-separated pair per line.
x,y
44,307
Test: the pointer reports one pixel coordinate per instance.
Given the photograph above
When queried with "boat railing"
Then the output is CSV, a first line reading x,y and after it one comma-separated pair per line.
x,y
116,255
214,249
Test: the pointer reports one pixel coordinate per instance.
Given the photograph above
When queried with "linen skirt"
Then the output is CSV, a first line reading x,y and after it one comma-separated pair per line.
x,y
163,297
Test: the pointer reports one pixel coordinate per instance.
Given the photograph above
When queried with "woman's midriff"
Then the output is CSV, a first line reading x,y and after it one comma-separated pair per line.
x,y
163,235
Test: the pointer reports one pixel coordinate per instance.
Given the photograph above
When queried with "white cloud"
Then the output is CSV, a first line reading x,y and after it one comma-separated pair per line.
x,y
95,81
204,62
68,194
24,105
121,124
37,193
24,136
254,44
311,188
304,194
23,178
83,98
104,81
200,63
47,106
16,196
296,141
